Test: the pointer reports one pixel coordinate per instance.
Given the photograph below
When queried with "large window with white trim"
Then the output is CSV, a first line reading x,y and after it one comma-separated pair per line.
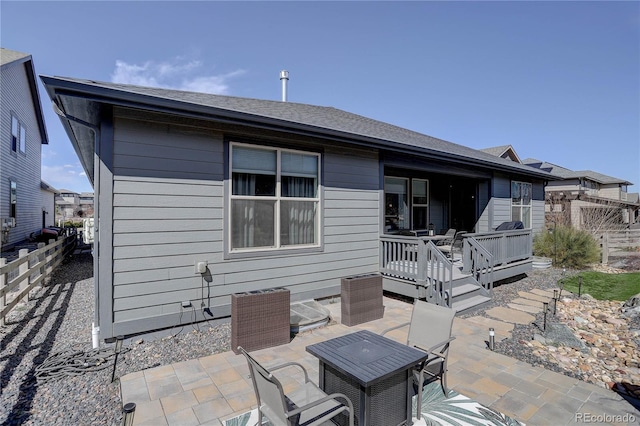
x,y
521,202
275,198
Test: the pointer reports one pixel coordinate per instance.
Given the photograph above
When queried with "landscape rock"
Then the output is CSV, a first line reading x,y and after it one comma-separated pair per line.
x,y
631,308
608,348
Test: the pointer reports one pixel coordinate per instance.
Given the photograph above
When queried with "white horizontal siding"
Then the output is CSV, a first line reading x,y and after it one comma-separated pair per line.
x,y
23,168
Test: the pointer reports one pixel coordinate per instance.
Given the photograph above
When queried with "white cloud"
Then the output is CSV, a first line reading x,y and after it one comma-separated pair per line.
x,y
177,74
61,177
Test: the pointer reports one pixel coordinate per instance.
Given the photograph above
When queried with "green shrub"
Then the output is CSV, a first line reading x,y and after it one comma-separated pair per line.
x,y
72,224
567,246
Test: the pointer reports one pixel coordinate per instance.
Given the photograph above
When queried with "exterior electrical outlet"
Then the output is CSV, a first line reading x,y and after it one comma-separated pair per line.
x,y
201,267
186,304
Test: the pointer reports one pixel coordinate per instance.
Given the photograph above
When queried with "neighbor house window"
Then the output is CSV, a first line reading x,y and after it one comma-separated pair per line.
x,y
23,139
15,133
275,199
18,136
13,199
521,202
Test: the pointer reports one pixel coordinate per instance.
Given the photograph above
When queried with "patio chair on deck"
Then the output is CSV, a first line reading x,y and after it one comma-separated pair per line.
x,y
454,246
430,331
449,235
308,405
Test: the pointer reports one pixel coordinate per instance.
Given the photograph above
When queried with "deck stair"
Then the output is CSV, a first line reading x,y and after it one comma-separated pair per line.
x,y
415,267
469,296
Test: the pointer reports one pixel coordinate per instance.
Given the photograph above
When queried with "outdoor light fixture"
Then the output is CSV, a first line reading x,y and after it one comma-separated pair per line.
x,y
579,286
129,410
117,350
555,301
545,307
492,338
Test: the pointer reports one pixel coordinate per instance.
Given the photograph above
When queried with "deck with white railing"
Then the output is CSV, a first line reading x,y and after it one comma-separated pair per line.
x,y
415,267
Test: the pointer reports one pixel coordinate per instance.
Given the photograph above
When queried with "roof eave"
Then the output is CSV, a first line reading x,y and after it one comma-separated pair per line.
x,y
60,87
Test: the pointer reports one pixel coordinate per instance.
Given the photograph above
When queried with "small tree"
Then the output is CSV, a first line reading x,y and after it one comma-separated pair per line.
x,y
601,217
567,246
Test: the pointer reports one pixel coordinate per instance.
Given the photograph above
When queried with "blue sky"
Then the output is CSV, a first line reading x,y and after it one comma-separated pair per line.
x,y
559,81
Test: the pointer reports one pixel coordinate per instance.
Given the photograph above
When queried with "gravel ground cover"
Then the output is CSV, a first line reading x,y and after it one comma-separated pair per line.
x,y
57,320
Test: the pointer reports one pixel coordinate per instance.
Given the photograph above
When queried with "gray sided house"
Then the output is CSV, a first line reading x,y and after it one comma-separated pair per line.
x,y
22,133
276,194
48,194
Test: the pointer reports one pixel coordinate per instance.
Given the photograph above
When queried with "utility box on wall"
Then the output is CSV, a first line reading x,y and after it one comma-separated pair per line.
x,y
260,319
361,299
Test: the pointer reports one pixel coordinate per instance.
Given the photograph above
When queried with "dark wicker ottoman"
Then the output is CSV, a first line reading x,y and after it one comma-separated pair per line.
x,y
361,299
260,319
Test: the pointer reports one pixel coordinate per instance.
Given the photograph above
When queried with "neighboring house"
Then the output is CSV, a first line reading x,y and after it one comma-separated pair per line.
x,y
73,206
270,194
505,151
583,199
588,200
85,206
22,134
67,203
48,204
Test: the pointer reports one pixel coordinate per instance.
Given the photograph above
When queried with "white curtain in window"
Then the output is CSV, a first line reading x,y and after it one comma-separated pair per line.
x,y
299,187
252,223
244,184
298,222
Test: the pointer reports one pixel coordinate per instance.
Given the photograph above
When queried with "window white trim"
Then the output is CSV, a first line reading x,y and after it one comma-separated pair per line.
x,y
396,217
278,199
415,205
15,133
18,135
520,209
22,143
13,199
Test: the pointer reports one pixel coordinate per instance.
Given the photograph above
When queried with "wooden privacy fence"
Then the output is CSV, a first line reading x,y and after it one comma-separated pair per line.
x,y
619,241
19,277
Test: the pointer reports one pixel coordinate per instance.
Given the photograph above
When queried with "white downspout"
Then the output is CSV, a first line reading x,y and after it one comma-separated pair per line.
x,y
95,329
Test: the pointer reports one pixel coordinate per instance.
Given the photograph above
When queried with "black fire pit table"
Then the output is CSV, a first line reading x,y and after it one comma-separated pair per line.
x,y
375,372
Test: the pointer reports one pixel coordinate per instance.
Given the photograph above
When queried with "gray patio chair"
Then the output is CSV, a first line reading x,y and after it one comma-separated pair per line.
x,y
430,331
308,405
455,246
450,234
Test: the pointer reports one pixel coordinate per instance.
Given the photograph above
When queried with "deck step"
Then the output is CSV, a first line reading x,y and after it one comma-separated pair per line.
x,y
470,303
459,290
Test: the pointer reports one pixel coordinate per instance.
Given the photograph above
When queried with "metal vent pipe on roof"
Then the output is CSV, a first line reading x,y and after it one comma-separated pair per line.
x,y
284,78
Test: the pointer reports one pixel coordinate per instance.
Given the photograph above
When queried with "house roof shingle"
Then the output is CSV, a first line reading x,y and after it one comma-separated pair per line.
x,y
565,173
319,120
8,56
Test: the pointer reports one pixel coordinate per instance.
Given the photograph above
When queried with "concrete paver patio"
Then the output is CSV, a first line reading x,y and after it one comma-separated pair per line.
x,y
209,390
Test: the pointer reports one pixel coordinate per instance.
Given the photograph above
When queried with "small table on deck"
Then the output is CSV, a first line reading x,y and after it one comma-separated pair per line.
x,y
373,371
